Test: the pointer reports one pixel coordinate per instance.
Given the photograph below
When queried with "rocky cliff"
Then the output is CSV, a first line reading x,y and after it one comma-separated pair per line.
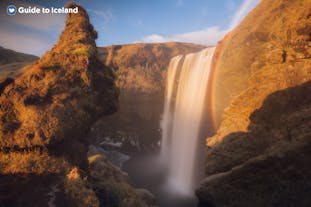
x,y
275,34
45,115
140,70
141,67
260,156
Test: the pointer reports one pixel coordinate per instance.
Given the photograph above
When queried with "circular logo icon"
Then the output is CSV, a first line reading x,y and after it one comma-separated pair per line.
x,y
11,10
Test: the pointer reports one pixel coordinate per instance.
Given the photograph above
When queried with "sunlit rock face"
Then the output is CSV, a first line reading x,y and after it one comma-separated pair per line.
x,y
265,65
66,89
274,38
141,67
45,115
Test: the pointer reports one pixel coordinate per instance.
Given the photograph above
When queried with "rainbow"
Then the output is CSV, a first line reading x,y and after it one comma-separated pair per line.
x,y
211,84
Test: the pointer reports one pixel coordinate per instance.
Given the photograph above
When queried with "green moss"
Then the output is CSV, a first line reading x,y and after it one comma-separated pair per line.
x,y
88,51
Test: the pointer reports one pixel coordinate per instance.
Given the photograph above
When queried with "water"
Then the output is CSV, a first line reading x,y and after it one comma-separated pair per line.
x,y
182,119
145,171
186,90
166,123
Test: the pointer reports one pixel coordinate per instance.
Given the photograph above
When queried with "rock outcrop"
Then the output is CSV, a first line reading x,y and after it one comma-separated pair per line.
x,y
260,156
112,188
45,116
66,89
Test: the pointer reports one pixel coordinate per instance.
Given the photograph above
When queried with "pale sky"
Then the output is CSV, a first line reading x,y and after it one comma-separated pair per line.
x,y
122,21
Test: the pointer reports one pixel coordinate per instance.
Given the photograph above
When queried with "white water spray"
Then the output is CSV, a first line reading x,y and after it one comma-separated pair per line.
x,y
182,116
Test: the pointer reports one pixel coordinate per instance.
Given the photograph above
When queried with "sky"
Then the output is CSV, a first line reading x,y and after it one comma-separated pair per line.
x,y
125,21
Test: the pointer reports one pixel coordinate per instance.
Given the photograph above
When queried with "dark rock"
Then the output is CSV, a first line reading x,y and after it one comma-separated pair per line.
x,y
146,196
4,82
111,186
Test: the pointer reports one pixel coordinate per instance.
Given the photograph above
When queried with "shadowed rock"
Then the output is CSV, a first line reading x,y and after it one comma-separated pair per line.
x,y
260,154
270,164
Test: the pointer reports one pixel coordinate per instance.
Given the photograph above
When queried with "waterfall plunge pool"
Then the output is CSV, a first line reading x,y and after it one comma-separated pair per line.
x,y
145,171
173,174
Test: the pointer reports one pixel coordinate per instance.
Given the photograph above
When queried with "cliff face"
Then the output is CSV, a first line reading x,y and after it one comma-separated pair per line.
x,y
140,70
266,66
140,67
45,116
274,34
269,165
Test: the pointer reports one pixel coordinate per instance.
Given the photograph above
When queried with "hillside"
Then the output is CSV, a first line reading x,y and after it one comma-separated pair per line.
x,y
10,56
275,34
11,62
45,116
141,67
260,154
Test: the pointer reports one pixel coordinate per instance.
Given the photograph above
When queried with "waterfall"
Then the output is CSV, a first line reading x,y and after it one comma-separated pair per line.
x,y
186,87
166,123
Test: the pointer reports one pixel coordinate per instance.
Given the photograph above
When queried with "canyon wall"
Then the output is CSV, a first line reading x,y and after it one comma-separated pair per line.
x,y
141,71
141,67
259,155
275,34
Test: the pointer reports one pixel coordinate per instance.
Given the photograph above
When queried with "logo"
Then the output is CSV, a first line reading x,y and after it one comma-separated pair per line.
x,y
11,10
